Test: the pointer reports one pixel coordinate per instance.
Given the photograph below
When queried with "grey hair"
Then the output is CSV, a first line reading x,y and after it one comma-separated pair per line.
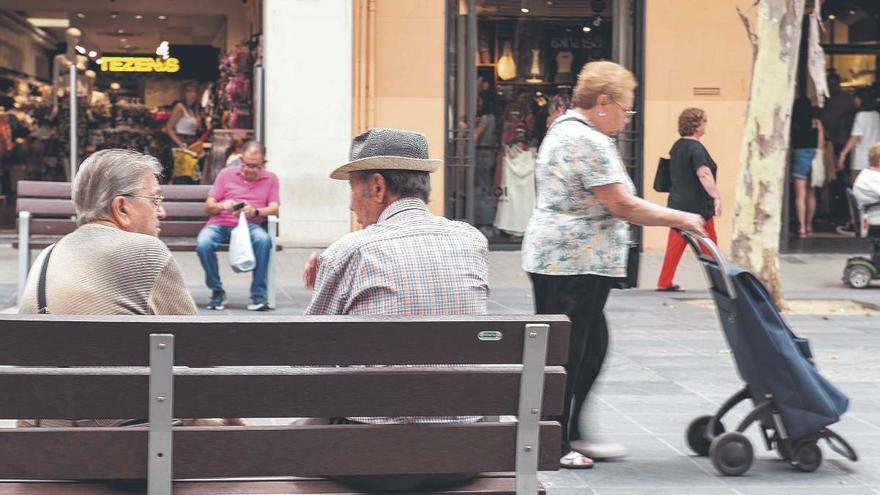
x,y
253,144
401,183
107,174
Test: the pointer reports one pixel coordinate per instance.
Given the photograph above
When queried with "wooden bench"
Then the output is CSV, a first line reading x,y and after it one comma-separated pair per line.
x,y
46,213
55,366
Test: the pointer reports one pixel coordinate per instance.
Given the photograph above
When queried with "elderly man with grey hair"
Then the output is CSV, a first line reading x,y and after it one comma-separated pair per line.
x,y
114,262
406,261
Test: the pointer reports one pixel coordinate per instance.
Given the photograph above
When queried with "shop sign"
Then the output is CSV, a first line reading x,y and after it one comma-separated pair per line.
x,y
139,64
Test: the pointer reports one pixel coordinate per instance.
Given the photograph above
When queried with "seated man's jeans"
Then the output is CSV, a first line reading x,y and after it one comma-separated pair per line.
x,y
212,236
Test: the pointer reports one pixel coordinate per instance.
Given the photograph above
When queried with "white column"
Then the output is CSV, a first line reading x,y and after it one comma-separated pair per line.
x,y
308,81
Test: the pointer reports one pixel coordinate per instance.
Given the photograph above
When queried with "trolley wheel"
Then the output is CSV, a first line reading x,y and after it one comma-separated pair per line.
x,y
857,276
806,456
731,453
696,436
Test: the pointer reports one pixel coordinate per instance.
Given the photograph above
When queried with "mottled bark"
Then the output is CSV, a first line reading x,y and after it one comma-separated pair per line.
x,y
764,151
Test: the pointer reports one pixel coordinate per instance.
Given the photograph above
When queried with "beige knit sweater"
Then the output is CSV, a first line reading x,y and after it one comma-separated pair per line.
x,y
101,270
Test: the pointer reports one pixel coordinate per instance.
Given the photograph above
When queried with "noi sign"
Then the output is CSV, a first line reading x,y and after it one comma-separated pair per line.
x,y
139,64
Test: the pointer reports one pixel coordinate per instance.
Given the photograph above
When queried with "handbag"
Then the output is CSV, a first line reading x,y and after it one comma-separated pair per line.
x,y
241,252
663,179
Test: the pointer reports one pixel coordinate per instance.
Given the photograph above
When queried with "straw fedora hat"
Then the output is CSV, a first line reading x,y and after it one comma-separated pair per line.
x,y
388,149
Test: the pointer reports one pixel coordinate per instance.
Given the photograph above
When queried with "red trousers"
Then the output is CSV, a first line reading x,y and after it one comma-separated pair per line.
x,y
675,246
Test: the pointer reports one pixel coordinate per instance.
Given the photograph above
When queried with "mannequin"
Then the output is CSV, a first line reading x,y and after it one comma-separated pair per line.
x,y
564,60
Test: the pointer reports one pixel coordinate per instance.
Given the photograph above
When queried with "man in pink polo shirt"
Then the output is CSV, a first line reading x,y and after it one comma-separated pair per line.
x,y
254,190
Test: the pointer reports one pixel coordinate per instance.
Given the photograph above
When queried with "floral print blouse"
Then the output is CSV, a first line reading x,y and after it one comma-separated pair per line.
x,y
570,232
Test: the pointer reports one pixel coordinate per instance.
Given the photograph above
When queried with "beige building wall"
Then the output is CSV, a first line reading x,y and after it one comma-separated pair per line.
x,y
695,46
399,70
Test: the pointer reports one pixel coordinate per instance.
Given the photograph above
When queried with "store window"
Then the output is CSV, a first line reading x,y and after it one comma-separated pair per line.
x,y
512,66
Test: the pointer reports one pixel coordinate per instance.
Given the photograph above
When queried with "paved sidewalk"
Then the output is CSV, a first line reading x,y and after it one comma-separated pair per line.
x,y
668,363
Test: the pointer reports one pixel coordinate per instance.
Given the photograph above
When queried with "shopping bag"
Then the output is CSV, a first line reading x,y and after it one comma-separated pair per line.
x,y
663,179
241,253
185,163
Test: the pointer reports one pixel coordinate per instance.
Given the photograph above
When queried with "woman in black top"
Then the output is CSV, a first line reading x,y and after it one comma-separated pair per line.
x,y
693,188
806,138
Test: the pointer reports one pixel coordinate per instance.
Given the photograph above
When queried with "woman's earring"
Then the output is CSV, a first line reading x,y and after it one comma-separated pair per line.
x,y
601,114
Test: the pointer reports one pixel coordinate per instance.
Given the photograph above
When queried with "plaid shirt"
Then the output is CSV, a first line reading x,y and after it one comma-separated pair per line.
x,y
409,263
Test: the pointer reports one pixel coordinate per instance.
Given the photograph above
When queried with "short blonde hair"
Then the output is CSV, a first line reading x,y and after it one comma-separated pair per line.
x,y
690,120
874,155
602,78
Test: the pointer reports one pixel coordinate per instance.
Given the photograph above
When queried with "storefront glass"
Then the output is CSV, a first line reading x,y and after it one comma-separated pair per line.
x,y
511,69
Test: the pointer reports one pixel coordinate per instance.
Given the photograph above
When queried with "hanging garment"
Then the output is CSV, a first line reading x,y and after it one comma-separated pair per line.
x,y
506,65
517,199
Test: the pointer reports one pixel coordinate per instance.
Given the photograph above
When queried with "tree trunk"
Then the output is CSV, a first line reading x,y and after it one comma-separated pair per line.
x,y
764,152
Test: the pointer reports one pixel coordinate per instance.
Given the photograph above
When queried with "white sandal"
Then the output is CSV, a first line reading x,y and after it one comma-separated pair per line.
x,y
575,460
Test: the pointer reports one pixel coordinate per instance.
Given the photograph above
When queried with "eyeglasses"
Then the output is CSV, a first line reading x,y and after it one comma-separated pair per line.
x,y
245,164
157,200
628,112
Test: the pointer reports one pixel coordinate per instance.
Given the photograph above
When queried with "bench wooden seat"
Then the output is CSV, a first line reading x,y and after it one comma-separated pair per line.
x,y
46,213
54,366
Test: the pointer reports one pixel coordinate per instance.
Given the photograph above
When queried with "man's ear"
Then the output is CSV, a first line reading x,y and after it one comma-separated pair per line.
x,y
119,211
378,188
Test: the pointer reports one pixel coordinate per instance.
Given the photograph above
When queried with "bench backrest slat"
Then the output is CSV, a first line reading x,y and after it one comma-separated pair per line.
x,y
45,340
106,453
279,392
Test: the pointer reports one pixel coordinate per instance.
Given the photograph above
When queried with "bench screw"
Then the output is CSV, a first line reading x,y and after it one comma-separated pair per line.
x,y
528,448
162,346
533,335
534,410
160,398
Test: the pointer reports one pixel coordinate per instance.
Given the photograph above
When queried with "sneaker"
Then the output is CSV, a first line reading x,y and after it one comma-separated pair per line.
x,y
261,306
599,451
847,230
218,300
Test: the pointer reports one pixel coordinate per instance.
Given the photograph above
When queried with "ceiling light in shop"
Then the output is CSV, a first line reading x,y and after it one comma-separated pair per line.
x,y
138,17
99,61
114,15
162,17
120,31
127,47
46,22
123,40
80,50
524,10
115,86
852,12
80,15
587,29
832,17
93,54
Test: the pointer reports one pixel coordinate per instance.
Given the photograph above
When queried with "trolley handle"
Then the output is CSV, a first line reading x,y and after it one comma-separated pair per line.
x,y
696,240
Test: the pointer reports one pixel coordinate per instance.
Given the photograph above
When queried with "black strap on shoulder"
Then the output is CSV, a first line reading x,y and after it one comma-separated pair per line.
x,y
569,119
41,284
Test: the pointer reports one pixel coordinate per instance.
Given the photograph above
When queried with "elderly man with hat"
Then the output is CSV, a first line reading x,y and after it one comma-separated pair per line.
x,y
406,261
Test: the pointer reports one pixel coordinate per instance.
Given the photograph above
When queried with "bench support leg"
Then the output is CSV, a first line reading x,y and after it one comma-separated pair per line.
x,y
531,396
159,472
272,277
24,252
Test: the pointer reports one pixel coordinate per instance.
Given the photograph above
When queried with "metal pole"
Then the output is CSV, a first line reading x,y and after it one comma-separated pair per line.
x,y
73,143
159,464
24,251
258,102
470,85
531,397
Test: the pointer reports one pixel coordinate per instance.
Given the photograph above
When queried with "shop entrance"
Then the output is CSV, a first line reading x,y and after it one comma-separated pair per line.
x,y
851,42
158,77
511,67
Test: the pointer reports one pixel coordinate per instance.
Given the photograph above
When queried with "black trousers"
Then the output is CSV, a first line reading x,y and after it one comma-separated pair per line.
x,y
582,298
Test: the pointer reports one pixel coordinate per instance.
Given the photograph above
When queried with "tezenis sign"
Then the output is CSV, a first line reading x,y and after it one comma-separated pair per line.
x,y
139,64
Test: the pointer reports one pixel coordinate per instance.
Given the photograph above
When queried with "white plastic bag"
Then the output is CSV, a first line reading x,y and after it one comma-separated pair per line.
x,y
241,253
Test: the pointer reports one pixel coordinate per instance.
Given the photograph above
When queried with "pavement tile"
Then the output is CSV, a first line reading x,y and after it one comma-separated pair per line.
x,y
663,491
671,472
564,478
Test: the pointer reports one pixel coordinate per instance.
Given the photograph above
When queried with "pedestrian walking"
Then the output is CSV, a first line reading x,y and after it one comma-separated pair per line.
x,y
693,188
577,241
